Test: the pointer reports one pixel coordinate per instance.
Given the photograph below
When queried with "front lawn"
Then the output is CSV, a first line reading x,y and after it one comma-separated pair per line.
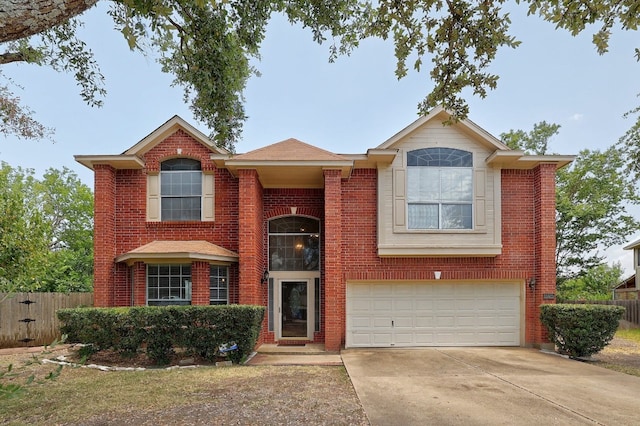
x,y
204,395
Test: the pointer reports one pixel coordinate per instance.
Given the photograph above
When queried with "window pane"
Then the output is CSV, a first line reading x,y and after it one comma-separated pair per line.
x,y
180,164
457,185
440,157
456,216
423,184
218,284
168,284
294,225
423,216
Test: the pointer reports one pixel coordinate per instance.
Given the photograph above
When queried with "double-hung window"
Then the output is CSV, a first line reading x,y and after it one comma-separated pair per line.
x,y
440,189
218,285
181,190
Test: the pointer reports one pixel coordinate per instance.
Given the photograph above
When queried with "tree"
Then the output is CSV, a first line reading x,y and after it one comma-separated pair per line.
x,y
23,245
592,196
46,230
596,284
207,44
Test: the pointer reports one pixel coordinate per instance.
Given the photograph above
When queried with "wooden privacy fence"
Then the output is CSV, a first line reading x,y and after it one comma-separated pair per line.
x,y
29,319
631,312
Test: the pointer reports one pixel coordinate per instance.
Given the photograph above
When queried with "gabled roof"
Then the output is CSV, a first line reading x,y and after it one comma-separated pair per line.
x,y
440,114
167,129
289,150
167,251
132,158
289,163
502,155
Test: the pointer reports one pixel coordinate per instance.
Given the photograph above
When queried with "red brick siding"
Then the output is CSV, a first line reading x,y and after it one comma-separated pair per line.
x,y
308,202
545,244
348,213
104,245
518,260
251,248
335,290
124,192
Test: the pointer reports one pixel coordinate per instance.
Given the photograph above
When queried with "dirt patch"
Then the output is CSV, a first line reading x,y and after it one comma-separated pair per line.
x,y
239,395
621,355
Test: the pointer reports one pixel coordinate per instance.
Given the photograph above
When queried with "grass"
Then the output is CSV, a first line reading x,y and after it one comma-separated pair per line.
x,y
89,396
631,334
81,393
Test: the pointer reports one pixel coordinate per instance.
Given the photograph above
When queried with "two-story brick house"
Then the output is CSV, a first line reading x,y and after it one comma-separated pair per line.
x,y
440,236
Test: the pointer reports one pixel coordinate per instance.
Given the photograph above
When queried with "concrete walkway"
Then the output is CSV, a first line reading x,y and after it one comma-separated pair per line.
x,y
309,354
488,386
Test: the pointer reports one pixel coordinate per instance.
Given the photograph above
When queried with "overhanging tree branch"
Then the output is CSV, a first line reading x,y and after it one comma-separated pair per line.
x,y
24,18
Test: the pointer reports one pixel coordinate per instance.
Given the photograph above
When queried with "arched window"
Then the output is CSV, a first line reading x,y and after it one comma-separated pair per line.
x,y
440,188
181,190
294,244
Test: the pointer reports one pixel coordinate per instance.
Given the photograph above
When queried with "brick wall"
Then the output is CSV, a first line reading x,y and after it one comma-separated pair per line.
x,y
104,241
307,202
124,191
334,285
528,249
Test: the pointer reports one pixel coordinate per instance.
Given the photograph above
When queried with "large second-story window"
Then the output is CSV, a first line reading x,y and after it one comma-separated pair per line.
x,y
294,244
440,189
181,190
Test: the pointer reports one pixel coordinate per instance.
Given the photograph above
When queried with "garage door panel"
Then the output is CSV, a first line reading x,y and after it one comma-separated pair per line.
x,y
433,314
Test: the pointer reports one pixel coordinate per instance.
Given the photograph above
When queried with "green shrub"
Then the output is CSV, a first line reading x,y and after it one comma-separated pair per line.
x,y
198,330
581,330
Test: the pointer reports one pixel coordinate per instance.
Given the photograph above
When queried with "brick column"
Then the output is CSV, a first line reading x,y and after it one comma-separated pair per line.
x,y
139,284
199,283
250,238
334,288
104,240
544,245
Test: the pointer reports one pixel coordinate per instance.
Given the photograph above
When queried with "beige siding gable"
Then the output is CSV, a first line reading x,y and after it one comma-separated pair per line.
x,y
395,239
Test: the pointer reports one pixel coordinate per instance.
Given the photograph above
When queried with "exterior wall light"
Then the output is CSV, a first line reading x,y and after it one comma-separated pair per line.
x,y
532,283
265,277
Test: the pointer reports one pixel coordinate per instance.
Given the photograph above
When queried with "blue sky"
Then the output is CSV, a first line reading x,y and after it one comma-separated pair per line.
x,y
345,107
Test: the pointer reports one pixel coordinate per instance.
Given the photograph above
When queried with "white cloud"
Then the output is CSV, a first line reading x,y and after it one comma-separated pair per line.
x,y
576,117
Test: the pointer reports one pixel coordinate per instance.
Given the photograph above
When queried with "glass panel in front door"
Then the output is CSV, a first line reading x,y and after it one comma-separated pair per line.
x,y
294,309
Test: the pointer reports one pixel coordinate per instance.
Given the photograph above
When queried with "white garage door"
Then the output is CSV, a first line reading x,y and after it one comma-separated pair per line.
x,y
433,314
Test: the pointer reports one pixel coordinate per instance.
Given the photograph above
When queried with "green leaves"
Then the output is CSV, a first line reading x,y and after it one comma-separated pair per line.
x,y
580,330
592,197
46,231
597,283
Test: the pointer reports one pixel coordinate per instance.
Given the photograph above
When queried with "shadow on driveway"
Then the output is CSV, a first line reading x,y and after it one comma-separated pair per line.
x,y
488,386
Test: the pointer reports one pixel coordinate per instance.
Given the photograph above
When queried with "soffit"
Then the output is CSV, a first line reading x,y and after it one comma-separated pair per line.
x,y
515,159
115,161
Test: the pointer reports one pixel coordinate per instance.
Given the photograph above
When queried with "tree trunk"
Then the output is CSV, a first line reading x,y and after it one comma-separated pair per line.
x,y
24,18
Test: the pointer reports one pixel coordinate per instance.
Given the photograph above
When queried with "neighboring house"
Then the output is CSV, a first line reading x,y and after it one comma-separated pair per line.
x,y
629,288
440,236
626,290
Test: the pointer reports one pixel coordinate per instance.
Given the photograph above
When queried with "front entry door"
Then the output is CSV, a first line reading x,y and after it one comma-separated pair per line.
x,y
296,306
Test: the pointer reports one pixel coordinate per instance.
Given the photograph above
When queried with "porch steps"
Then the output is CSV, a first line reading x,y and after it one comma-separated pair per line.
x,y
308,354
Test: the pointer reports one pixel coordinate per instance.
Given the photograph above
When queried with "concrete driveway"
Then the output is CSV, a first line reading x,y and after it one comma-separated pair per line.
x,y
488,386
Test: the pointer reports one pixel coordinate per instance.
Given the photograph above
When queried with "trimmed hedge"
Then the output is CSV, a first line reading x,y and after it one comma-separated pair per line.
x,y
581,330
199,330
